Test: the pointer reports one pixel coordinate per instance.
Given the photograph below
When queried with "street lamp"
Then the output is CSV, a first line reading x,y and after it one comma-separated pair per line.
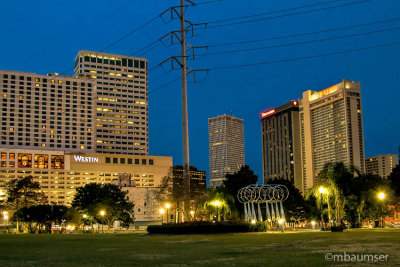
x,y
102,213
313,225
192,214
5,217
322,190
382,196
216,204
162,215
280,221
167,206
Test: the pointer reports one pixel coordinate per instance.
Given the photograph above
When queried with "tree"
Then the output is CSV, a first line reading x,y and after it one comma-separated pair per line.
x,y
221,204
362,187
394,180
94,198
336,179
40,217
297,208
233,182
23,192
169,193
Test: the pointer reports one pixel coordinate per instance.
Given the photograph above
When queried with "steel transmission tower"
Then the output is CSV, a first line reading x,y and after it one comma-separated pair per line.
x,y
186,28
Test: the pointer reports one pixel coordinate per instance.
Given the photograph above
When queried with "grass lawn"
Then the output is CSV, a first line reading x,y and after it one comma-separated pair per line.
x,y
256,249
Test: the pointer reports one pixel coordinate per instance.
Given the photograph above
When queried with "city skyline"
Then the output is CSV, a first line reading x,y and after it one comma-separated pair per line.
x,y
264,87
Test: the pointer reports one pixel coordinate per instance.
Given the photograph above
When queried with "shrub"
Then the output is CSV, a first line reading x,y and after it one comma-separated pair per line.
x,y
206,228
338,228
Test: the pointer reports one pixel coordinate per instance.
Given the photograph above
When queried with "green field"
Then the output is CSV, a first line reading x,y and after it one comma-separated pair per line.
x,y
250,249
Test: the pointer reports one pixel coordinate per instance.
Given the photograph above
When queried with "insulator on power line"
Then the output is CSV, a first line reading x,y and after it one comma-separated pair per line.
x,y
192,52
197,78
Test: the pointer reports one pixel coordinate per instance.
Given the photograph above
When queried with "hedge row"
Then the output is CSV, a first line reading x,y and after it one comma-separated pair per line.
x,y
206,228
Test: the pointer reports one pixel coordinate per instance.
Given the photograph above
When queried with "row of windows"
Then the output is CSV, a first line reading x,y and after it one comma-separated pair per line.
x,y
45,80
129,161
114,61
41,161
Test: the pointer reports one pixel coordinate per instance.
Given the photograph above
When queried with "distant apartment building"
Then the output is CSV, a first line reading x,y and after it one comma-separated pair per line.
x,y
121,101
281,147
381,165
197,181
47,112
331,128
226,147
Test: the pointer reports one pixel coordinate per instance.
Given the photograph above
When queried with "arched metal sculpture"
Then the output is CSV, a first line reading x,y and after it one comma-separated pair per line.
x,y
271,195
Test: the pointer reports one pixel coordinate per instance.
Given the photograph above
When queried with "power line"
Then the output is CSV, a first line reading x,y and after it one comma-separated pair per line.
x,y
305,57
147,48
308,11
287,60
130,33
305,33
302,42
207,2
165,85
273,12
288,15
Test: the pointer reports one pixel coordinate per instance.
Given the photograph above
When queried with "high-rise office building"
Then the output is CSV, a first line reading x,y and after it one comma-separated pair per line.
x,y
121,101
226,145
52,127
47,112
197,181
280,132
331,129
381,165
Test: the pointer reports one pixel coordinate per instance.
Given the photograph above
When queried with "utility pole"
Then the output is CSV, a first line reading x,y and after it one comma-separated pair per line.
x,y
186,28
185,125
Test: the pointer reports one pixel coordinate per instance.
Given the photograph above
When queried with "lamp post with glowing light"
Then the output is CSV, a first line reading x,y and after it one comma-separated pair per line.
x,y
162,211
313,225
216,204
192,214
5,217
102,213
167,206
322,191
280,222
381,197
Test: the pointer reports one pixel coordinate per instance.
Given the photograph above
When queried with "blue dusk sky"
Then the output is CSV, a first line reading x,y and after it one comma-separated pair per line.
x,y
330,40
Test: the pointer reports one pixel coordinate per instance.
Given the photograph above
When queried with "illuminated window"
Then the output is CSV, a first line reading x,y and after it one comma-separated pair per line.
x,y
57,162
3,155
11,156
41,161
24,160
11,163
3,164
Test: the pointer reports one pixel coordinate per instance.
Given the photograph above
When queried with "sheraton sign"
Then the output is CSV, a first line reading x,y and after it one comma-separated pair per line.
x,y
86,159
